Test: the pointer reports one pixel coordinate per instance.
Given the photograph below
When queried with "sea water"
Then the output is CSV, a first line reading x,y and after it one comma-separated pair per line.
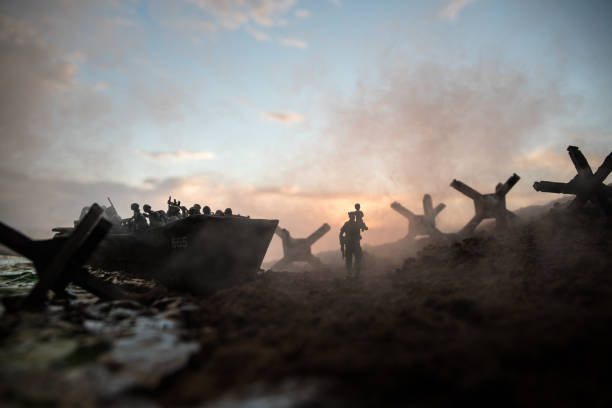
x,y
17,275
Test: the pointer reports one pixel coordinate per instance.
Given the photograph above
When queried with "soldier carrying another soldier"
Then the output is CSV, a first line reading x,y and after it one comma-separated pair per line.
x,y
350,235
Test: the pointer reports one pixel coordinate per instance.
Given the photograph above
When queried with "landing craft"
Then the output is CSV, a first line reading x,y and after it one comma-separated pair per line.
x,y
198,254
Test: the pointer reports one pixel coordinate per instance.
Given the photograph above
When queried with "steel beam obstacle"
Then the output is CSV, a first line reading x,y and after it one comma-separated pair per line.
x,y
487,205
586,185
299,249
424,224
60,261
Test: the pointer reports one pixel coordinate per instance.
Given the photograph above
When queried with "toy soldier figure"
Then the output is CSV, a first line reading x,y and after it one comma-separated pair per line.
x,y
173,213
350,235
174,207
138,221
359,218
153,216
163,218
194,210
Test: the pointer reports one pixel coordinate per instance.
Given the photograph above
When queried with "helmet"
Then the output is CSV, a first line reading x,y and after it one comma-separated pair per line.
x,y
206,210
146,208
357,206
197,206
228,211
134,206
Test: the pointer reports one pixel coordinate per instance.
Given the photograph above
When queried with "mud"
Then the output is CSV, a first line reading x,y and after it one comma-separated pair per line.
x,y
522,318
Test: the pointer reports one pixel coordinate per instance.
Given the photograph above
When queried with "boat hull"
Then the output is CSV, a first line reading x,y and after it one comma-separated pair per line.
x,y
199,254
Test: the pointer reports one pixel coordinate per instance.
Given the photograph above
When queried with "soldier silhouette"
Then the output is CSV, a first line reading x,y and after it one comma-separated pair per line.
x,y
194,210
138,221
359,217
350,235
154,217
174,213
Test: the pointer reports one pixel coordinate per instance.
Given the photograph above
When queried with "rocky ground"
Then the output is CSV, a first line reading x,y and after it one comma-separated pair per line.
x,y
519,318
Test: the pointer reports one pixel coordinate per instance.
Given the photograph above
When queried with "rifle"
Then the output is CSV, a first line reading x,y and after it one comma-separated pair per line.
x,y
112,205
116,214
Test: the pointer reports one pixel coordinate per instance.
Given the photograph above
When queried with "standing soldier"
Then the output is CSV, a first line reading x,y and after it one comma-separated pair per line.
x,y
350,235
153,216
138,221
195,210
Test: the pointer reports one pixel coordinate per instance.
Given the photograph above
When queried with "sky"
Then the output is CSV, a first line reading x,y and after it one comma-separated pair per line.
x,y
293,109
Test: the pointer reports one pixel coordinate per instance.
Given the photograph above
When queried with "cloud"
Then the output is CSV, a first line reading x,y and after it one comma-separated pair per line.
x,y
337,3
100,86
431,123
293,42
543,158
547,163
164,103
178,155
190,24
232,14
53,121
296,192
302,13
414,128
36,81
287,118
266,12
258,35
451,10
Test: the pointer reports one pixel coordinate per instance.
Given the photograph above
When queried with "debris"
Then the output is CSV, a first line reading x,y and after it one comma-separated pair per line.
x,y
487,205
421,224
77,355
586,185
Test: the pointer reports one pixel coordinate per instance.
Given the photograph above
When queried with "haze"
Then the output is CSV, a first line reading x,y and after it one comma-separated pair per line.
x,y
295,110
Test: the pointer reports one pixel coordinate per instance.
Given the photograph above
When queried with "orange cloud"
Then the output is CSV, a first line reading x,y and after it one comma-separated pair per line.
x,y
177,155
287,118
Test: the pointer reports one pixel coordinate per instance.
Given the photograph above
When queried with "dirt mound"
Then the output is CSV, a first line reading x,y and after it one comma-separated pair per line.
x,y
518,318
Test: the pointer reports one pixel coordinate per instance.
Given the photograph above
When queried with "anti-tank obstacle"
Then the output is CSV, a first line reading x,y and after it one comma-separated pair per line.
x,y
487,205
60,261
299,249
424,224
586,185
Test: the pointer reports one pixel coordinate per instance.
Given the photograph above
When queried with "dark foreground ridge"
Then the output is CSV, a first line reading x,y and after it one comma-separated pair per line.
x,y
520,318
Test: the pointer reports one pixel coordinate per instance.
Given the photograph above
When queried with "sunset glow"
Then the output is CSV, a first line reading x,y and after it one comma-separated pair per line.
x,y
295,110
